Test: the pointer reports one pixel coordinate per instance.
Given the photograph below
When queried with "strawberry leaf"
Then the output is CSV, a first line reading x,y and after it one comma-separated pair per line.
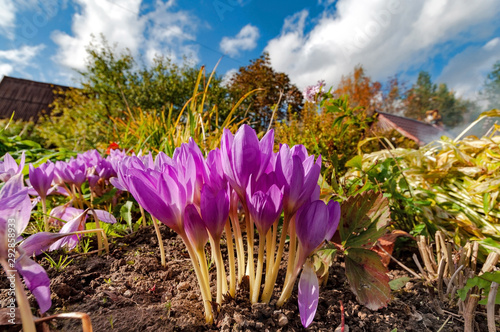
x,y
363,221
367,278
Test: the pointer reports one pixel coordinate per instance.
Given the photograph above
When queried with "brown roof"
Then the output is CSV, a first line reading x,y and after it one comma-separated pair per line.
x,y
420,132
27,98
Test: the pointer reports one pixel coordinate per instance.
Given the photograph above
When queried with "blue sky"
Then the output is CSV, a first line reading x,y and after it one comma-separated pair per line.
x,y
456,41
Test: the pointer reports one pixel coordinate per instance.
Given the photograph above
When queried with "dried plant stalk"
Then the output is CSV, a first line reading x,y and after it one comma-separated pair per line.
x,y
440,278
470,310
490,307
491,261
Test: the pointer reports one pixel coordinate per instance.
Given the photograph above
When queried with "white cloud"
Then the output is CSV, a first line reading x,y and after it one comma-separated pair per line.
x,y
228,75
17,60
161,31
245,40
170,33
9,9
385,36
119,23
466,71
7,18
6,69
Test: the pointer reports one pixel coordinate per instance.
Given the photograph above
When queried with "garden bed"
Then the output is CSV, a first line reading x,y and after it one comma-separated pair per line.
x,y
128,290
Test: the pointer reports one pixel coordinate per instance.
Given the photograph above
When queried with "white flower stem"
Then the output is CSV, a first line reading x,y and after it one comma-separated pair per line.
x,y
160,242
271,279
232,263
260,266
203,282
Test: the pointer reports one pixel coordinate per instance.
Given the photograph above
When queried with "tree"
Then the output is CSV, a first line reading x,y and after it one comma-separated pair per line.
x,y
114,86
258,107
420,97
425,95
362,91
492,87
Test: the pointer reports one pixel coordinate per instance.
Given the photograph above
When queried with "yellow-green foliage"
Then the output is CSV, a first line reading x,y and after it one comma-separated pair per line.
x,y
456,183
78,122
159,131
332,130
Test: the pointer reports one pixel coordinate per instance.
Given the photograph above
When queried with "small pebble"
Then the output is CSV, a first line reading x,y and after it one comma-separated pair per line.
x,y
339,328
182,286
238,318
282,321
361,315
127,293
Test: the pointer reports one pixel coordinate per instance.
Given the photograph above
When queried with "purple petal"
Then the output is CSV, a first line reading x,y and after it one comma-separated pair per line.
x,y
160,202
246,155
266,145
195,227
334,219
310,181
36,280
103,216
308,295
118,184
300,151
13,186
297,185
64,212
311,222
214,210
39,242
15,205
77,224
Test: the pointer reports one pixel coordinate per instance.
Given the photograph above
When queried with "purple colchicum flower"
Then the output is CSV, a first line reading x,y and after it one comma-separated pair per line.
x,y
308,294
115,157
77,219
298,173
265,202
60,213
41,178
195,228
9,167
214,210
15,207
77,223
71,172
161,194
315,222
244,155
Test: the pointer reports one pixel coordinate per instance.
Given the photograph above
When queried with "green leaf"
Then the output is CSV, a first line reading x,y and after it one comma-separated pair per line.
x,y
483,282
398,283
356,162
363,220
125,213
490,245
367,278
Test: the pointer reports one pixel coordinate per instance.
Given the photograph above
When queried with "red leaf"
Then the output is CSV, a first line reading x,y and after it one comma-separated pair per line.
x,y
367,278
387,242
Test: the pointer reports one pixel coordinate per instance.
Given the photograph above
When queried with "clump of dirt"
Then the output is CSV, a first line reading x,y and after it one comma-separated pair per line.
x,y
128,290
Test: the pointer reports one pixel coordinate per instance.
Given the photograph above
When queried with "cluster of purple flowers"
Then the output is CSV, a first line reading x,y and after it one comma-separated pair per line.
x,y
312,93
65,178
200,198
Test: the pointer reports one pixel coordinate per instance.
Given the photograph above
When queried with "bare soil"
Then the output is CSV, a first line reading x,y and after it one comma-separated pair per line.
x,y
128,290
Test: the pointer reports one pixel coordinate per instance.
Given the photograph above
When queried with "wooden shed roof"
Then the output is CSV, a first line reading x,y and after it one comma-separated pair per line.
x,y
28,99
421,132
